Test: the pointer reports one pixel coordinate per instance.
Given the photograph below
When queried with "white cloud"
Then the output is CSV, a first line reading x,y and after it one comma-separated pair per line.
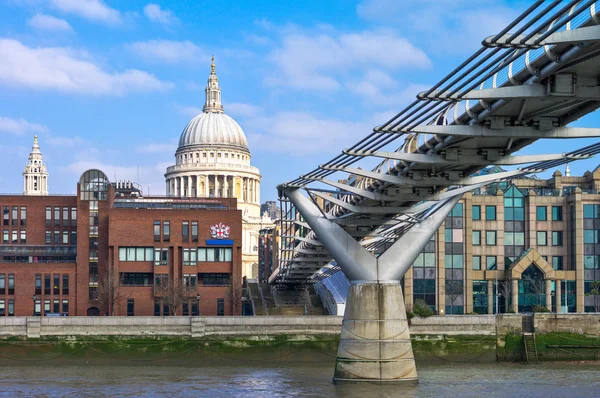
x,y
65,70
301,133
258,40
189,111
20,126
157,148
448,26
49,23
243,110
64,142
155,14
93,10
169,51
311,62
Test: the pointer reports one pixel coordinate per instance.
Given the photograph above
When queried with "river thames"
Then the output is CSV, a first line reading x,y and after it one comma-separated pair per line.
x,y
296,380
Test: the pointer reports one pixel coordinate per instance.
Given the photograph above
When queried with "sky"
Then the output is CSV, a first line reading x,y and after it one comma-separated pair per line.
x,y
111,84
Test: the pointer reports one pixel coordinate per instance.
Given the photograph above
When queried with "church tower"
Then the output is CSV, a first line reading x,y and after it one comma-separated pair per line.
x,y
35,176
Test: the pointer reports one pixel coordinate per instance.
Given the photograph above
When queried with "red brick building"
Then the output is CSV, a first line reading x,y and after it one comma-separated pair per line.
x,y
55,251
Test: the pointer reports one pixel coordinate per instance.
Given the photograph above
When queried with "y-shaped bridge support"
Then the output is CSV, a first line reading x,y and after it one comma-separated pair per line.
x,y
375,342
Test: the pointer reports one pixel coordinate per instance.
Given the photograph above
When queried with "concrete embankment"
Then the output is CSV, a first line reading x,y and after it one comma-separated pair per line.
x,y
182,340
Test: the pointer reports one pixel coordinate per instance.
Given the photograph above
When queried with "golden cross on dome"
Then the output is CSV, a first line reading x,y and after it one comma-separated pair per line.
x,y
35,141
212,66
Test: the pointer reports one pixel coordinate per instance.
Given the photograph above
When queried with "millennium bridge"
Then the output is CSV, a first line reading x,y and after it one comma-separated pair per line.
x,y
528,82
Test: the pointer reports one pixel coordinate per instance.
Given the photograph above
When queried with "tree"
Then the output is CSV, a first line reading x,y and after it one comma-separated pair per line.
x,y
236,292
595,293
453,290
505,289
174,293
110,290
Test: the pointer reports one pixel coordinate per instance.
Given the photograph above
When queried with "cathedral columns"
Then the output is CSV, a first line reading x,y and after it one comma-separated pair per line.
x,y
176,186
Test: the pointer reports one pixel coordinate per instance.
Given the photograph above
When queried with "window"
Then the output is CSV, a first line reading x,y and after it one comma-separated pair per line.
x,y
73,216
490,262
136,254
156,307
5,215
48,237
56,237
11,307
589,211
190,280
15,216
137,278
65,285
2,284
5,236
47,285
23,216
184,309
195,310
490,238
476,238
56,306
542,238
557,214
161,256
185,231
194,231
38,283
46,306
190,256
490,213
215,254
48,216
215,279
476,212
2,308
65,216
166,231
57,216
73,237
11,284
23,237
37,308
65,237
161,280
56,285
14,237
130,307
557,238
157,231
541,213
557,262
65,308
220,307
476,262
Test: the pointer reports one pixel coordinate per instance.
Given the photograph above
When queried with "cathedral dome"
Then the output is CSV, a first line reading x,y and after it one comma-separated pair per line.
x,y
213,129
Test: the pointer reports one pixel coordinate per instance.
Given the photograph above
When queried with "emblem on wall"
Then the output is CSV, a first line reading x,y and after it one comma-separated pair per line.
x,y
219,231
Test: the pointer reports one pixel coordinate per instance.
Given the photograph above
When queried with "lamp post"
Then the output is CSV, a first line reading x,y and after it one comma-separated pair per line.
x,y
34,299
553,294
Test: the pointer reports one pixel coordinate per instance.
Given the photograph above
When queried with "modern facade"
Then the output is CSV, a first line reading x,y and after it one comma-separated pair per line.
x,y
514,246
213,160
270,207
58,254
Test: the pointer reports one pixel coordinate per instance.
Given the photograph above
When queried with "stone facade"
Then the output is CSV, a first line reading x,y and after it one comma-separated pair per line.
x,y
213,161
479,262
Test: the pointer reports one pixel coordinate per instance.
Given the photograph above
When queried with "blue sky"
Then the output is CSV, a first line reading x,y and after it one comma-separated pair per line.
x,y
111,84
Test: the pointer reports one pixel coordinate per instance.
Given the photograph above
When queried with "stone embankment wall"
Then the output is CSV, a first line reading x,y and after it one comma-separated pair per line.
x,y
35,327
257,326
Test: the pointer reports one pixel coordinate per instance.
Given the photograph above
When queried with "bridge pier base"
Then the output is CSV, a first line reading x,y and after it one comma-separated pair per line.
x,y
375,344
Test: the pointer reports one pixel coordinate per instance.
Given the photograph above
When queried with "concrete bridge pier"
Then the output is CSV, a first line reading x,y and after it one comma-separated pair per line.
x,y
375,342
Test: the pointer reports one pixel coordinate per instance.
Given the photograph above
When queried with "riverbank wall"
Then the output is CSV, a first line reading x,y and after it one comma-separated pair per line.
x,y
477,338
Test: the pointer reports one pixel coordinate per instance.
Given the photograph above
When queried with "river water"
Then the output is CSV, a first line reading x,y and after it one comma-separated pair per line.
x,y
295,380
